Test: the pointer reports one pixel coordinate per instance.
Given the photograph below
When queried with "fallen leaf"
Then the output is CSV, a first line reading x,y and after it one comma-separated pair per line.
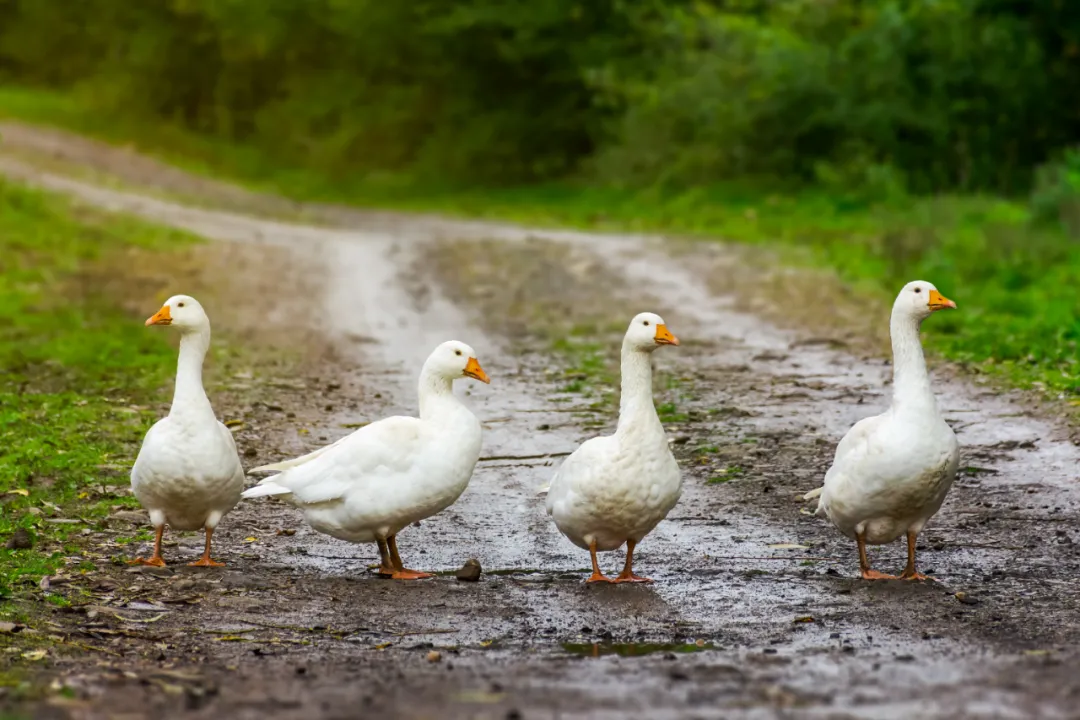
x,y
145,606
10,627
788,546
18,491
232,638
479,696
804,619
383,646
486,643
139,620
251,539
35,655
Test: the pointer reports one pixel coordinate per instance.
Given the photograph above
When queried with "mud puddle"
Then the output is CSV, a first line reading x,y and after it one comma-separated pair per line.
x,y
298,627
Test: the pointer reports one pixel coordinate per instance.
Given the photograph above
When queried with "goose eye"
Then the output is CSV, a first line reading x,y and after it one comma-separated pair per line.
x,y
180,305
645,322
918,290
457,352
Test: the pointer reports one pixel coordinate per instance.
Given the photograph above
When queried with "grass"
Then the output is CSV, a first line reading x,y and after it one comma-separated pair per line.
x,y
1014,281
76,374
726,475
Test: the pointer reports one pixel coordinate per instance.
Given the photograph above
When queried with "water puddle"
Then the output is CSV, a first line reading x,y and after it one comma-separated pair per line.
x,y
634,649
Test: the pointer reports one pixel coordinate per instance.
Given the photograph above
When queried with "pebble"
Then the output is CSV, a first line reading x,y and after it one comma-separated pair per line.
x,y
21,539
132,516
470,571
434,656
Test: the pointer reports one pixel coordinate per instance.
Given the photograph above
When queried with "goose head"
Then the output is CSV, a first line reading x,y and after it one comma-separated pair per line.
x,y
181,311
919,299
647,332
454,359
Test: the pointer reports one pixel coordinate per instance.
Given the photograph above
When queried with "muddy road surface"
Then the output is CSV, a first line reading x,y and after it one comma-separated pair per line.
x,y
756,610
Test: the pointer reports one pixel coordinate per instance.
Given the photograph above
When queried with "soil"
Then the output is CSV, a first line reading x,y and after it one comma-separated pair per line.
x,y
757,610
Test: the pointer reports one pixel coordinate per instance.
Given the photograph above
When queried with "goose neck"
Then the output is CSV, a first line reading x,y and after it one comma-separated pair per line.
x,y
189,397
636,400
911,382
435,393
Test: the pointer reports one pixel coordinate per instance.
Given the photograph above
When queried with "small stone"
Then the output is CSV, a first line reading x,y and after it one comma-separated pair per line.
x,y
966,599
152,570
106,585
434,656
21,539
134,517
470,571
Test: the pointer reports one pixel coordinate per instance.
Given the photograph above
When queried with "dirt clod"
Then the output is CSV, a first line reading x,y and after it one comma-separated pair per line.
x,y
21,539
470,571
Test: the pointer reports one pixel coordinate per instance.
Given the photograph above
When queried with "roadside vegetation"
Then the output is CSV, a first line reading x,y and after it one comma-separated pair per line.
x,y
80,382
885,140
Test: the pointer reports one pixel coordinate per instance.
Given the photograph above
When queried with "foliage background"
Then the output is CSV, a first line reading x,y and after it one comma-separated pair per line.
x,y
934,95
891,139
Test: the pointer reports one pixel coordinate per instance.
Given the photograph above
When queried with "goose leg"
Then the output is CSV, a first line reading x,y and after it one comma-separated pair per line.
x,y
627,574
400,571
909,571
596,576
156,560
864,562
386,565
205,560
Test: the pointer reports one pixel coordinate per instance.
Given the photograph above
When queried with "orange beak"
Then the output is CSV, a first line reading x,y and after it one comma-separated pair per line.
x,y
473,370
937,301
664,336
161,317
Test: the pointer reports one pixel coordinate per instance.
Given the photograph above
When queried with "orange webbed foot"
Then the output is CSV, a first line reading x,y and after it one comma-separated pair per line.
x,y
205,562
631,578
917,576
406,574
875,575
597,577
155,561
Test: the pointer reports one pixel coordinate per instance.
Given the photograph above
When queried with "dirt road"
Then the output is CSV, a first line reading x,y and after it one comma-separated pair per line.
x,y
756,611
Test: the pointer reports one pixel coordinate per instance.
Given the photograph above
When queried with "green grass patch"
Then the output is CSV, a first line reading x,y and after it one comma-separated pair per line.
x,y
726,475
76,374
1013,279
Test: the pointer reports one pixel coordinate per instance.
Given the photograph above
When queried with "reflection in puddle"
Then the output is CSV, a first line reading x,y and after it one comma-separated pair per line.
x,y
634,649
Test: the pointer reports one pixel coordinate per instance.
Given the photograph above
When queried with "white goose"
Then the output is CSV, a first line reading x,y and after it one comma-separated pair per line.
x,y
615,489
187,474
369,485
891,472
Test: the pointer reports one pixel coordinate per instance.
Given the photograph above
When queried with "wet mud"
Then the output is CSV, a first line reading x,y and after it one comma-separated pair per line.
x,y
756,610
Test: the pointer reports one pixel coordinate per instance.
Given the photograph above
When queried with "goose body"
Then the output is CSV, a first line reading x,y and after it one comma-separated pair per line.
x,y
371,484
614,490
187,474
891,472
